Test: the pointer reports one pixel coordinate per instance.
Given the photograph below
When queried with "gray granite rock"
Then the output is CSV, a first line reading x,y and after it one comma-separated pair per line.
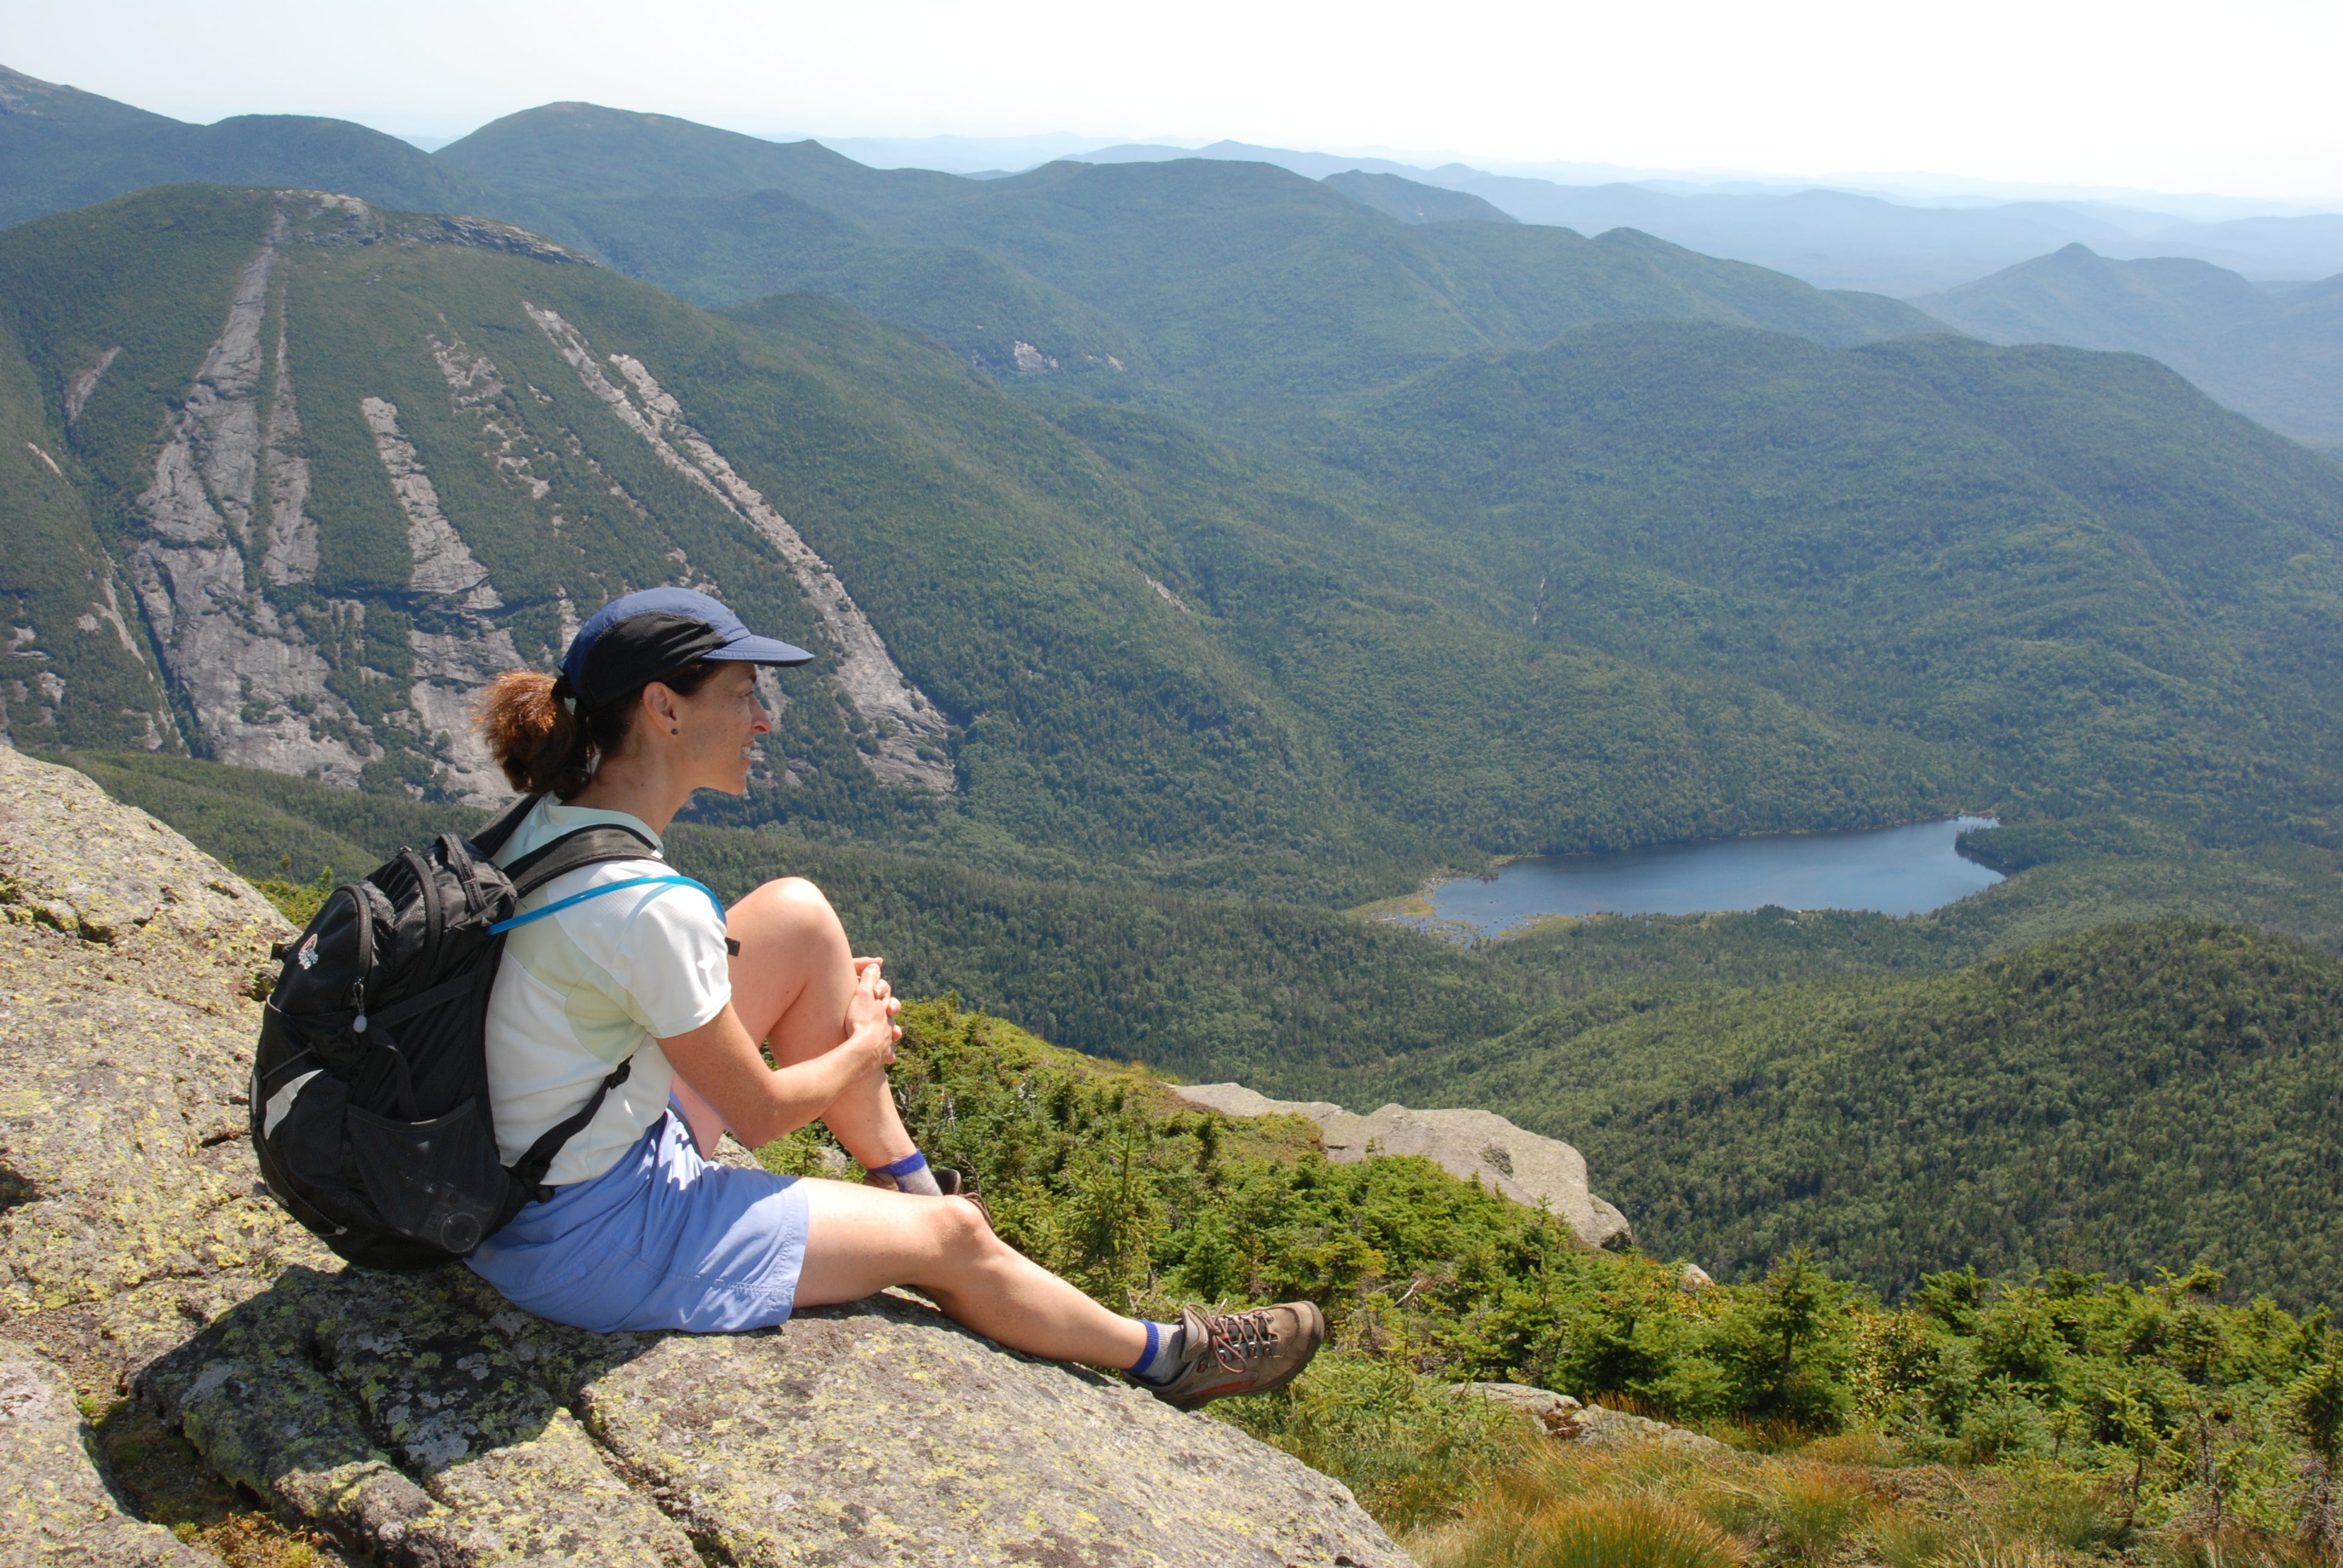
x,y
1555,1413
55,1504
1599,1425
1566,1420
884,1433
73,857
1479,1145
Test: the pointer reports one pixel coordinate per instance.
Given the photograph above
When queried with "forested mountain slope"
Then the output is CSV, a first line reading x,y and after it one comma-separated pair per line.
x,y
311,472
1410,202
2073,568
346,473
2274,353
2130,1096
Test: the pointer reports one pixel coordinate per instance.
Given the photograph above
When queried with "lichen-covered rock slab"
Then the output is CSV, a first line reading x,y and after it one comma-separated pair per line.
x,y
123,1133
129,1212
421,1414
416,1417
884,1433
55,1506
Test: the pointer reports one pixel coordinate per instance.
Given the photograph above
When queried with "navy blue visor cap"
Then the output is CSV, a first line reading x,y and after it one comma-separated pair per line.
x,y
640,638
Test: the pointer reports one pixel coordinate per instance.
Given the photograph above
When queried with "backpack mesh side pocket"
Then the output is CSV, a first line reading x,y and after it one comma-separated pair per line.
x,y
437,1182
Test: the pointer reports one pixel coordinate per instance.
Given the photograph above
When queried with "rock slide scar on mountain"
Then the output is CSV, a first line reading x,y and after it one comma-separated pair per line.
x,y
623,962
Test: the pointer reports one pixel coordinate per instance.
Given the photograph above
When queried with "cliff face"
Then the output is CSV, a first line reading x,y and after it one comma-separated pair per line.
x,y
420,1419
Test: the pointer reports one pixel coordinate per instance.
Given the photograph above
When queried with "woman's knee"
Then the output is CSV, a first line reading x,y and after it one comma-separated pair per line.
x,y
958,1231
788,909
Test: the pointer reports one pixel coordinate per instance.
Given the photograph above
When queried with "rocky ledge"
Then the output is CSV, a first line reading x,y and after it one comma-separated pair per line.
x,y
1478,1145
419,1419
1565,1420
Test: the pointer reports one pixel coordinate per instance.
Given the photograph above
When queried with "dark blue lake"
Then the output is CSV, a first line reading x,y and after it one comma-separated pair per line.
x,y
1894,870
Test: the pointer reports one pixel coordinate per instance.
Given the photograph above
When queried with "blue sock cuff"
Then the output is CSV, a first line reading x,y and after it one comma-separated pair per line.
x,y
1153,1343
914,1161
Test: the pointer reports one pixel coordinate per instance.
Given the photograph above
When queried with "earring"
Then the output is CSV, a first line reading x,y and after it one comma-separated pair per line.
x,y
675,732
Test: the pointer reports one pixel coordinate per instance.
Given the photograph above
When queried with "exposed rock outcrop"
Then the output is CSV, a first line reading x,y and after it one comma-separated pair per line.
x,y
1478,1145
253,679
906,730
55,1506
419,1418
328,218
1566,1420
452,665
1555,1413
226,510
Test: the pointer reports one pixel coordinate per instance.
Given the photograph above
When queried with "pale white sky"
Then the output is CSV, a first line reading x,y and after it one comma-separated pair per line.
x,y
2236,99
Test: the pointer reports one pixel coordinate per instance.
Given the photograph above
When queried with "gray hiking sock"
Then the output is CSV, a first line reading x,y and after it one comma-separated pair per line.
x,y
1162,1362
911,1174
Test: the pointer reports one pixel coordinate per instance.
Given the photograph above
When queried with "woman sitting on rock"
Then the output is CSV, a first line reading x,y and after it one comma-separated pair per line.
x,y
657,698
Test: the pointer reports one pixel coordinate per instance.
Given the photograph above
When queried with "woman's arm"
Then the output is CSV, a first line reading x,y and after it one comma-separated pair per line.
x,y
761,1104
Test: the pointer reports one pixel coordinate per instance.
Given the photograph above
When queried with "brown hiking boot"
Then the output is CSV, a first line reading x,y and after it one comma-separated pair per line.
x,y
1242,1352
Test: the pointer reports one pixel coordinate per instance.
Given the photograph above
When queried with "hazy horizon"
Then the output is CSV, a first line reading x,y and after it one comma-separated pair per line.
x,y
2033,102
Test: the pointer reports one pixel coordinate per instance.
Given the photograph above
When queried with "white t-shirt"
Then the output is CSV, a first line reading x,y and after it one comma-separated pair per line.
x,y
582,990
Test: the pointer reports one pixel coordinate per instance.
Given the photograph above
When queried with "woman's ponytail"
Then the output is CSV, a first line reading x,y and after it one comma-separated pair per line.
x,y
544,749
544,744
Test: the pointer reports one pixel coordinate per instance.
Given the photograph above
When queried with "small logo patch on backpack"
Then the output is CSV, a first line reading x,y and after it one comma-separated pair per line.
x,y
308,955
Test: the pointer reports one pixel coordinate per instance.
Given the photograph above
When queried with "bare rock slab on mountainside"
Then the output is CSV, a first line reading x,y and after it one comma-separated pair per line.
x,y
1479,1145
421,1419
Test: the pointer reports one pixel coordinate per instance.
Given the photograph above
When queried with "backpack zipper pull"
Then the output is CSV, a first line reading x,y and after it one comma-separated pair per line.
x,y
357,1024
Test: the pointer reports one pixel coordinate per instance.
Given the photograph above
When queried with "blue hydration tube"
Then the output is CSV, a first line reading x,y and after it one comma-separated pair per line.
x,y
556,907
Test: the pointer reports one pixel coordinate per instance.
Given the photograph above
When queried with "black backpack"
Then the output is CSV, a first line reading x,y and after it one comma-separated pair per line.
x,y
369,1108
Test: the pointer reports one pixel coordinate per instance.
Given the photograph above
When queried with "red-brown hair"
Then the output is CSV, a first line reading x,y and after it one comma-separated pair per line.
x,y
546,750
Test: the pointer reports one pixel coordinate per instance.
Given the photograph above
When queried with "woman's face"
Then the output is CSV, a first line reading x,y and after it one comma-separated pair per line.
x,y
719,724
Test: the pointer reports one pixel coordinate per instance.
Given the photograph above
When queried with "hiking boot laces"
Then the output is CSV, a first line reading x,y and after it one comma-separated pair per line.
x,y
1233,1339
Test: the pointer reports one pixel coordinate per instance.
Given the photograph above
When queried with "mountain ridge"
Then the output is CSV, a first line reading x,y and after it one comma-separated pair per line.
x,y
2277,358
1212,288
1831,237
62,148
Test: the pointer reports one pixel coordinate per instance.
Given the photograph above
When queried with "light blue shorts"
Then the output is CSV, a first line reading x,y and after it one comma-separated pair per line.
x,y
662,1239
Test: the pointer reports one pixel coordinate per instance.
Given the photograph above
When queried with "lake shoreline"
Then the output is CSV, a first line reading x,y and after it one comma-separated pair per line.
x,y
1901,869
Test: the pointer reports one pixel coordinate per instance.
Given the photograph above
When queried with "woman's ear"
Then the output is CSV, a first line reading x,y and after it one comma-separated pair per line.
x,y
659,707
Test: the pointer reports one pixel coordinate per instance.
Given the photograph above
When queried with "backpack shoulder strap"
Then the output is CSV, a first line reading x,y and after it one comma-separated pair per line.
x,y
491,838
528,1172
581,847
586,847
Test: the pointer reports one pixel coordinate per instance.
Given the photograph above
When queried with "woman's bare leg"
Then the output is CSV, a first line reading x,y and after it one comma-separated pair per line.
x,y
791,981
859,1240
